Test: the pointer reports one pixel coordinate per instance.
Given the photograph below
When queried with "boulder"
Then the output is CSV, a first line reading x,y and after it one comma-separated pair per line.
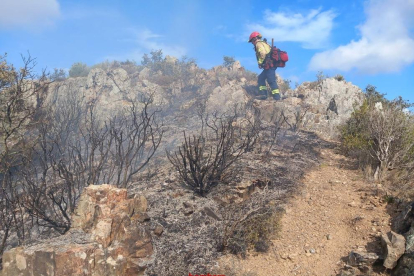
x,y
394,247
106,238
331,103
225,98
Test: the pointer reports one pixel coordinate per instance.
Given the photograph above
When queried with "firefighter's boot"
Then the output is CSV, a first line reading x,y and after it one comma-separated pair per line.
x,y
262,95
276,94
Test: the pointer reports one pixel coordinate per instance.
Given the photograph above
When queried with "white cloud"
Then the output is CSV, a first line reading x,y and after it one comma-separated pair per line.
x,y
28,14
386,43
312,30
146,41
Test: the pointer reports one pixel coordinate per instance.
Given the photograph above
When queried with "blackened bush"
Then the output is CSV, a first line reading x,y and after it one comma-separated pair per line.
x,y
207,158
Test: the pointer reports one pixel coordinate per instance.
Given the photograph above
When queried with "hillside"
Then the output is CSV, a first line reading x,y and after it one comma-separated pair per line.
x,y
201,177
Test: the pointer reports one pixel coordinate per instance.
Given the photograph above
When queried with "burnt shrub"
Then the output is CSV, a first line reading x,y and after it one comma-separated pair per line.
x,y
207,158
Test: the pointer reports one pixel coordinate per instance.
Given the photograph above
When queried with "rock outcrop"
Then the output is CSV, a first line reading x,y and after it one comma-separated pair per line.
x,y
227,97
107,238
322,107
315,106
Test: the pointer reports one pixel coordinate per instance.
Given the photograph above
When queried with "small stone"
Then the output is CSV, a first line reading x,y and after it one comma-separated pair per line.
x,y
352,204
308,254
312,251
158,230
292,256
329,237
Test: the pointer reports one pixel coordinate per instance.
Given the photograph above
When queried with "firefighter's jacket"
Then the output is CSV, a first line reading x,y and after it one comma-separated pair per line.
x,y
262,49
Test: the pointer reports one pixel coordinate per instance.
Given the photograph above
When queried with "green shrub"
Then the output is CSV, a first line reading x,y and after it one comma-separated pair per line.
x,y
320,77
228,61
285,85
164,71
380,133
58,75
255,232
79,69
339,77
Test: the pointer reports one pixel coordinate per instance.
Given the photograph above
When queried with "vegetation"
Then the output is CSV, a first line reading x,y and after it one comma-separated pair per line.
x,y
58,75
228,61
128,65
206,159
50,150
380,133
19,90
79,69
285,85
165,70
339,77
255,231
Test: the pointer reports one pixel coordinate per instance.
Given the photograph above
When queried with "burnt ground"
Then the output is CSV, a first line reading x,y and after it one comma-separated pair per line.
x,y
194,227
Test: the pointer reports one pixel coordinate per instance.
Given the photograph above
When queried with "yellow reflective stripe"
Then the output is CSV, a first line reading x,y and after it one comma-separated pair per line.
x,y
275,91
262,88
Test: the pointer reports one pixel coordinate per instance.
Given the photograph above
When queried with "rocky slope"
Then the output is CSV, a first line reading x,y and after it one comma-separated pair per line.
x,y
179,232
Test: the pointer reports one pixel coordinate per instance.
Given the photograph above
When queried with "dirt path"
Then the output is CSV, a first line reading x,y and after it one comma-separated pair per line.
x,y
336,212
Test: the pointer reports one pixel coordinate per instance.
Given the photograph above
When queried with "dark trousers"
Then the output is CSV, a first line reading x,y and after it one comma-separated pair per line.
x,y
270,76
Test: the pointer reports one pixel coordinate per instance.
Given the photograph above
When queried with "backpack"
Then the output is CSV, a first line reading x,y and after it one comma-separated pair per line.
x,y
279,57
276,57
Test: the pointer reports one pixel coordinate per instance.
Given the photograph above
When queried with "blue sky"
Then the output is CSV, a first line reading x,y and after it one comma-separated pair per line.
x,y
368,42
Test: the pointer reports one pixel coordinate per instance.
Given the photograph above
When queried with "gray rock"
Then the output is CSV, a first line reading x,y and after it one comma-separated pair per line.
x,y
332,103
236,66
409,245
209,212
144,74
362,258
405,266
225,98
394,247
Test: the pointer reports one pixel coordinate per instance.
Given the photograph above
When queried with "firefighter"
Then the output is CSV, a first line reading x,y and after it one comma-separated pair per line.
x,y
265,62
